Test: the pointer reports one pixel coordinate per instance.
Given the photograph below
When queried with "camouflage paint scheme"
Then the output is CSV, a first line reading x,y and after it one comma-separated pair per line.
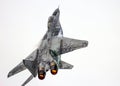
x,y
48,55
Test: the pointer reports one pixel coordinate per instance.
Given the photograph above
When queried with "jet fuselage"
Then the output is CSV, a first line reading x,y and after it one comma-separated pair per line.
x,y
48,55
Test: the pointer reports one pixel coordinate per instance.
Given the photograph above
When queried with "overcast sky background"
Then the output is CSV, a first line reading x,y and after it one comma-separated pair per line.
x,y
24,22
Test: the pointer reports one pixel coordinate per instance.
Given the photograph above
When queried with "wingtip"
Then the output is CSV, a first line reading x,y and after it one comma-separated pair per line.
x,y
85,43
9,75
71,67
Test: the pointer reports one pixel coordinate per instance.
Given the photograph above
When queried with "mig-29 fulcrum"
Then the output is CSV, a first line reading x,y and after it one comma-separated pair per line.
x,y
48,55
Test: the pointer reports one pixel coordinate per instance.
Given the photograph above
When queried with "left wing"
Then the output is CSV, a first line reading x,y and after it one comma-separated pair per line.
x,y
68,45
20,67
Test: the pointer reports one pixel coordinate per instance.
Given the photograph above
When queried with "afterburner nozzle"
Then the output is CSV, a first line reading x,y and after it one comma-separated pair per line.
x,y
54,72
41,74
54,68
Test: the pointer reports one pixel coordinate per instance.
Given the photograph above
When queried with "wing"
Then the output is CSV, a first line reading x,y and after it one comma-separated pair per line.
x,y
20,67
64,65
68,44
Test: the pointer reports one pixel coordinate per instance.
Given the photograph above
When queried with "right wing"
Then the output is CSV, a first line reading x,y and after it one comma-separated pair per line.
x,y
68,45
20,67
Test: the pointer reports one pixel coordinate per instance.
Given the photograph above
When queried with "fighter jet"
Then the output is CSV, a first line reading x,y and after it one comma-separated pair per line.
x,y
47,56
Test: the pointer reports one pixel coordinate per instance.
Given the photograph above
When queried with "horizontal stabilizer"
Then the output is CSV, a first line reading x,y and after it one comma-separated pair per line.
x,y
31,66
28,80
64,65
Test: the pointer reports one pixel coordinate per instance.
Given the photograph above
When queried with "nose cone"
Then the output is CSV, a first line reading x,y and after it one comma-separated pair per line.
x,y
57,11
